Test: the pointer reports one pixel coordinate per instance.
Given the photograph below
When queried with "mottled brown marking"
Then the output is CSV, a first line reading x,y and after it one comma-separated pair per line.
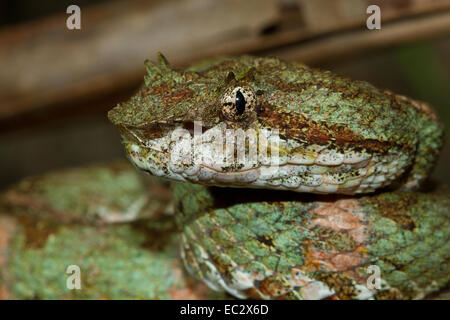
x,y
299,127
391,294
37,231
334,261
341,283
176,97
273,287
342,216
398,209
252,293
167,93
220,266
295,281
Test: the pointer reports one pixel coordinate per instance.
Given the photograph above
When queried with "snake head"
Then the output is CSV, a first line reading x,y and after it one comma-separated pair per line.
x,y
265,123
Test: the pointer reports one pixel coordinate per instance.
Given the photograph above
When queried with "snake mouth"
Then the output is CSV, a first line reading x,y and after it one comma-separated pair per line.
x,y
142,135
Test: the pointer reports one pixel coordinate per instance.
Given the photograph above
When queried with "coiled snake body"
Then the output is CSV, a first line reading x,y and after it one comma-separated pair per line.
x,y
291,221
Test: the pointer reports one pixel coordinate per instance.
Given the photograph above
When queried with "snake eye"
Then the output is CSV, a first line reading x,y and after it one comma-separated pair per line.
x,y
240,103
237,102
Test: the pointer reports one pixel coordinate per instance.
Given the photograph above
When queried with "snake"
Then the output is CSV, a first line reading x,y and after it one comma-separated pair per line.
x,y
291,182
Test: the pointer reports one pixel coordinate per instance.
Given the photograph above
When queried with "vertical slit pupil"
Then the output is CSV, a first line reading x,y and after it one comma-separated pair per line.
x,y
240,103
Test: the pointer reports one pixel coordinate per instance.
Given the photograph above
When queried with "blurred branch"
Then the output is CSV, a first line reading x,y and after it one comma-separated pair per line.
x,y
47,68
334,46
